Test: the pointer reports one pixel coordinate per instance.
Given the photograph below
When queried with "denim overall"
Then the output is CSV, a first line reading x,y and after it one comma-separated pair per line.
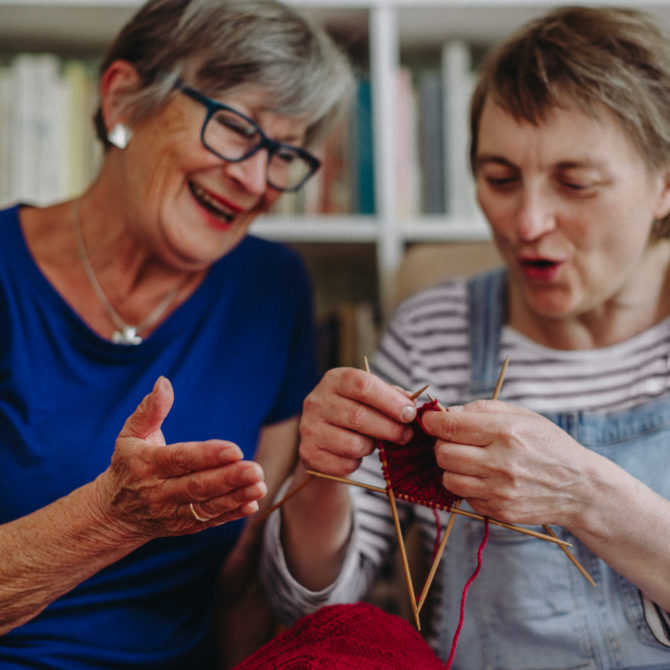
x,y
530,608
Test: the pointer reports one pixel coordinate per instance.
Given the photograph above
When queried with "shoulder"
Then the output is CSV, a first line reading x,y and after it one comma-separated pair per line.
x,y
264,263
262,249
269,258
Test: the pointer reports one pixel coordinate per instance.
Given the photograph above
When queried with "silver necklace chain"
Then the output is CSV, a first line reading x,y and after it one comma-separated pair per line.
x,y
126,334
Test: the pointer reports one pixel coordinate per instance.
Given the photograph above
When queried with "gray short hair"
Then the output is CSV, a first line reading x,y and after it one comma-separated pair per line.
x,y
618,58
225,45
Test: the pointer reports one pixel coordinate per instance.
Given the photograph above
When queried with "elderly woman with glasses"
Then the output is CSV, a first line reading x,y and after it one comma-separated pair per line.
x,y
154,355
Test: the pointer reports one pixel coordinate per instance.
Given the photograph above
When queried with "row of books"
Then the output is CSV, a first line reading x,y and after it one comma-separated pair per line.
x,y
345,182
433,172
48,149
430,120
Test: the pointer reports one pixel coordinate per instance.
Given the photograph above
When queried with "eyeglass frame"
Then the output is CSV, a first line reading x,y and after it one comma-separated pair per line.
x,y
273,146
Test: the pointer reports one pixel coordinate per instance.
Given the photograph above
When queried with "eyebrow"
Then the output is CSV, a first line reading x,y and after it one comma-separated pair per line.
x,y
492,158
587,163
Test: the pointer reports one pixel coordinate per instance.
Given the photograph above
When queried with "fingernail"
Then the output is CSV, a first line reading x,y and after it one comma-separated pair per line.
x,y
408,413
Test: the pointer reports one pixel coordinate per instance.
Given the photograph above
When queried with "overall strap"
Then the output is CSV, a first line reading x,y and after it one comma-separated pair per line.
x,y
486,303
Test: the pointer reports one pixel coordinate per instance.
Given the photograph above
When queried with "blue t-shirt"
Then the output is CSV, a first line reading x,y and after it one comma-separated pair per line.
x,y
239,354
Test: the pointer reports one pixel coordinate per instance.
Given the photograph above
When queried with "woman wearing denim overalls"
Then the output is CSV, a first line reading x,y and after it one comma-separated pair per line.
x,y
571,156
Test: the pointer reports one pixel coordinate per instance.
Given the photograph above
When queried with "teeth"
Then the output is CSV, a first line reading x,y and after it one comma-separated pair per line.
x,y
213,205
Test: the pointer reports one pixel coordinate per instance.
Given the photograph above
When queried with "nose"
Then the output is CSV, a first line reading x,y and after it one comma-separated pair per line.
x,y
251,173
535,213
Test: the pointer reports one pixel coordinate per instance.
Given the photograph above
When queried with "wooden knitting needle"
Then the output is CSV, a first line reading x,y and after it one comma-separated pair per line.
x,y
403,557
398,532
438,556
452,517
471,515
343,480
279,503
571,556
414,395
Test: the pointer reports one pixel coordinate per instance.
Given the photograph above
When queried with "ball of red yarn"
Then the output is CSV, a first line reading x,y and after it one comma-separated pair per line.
x,y
411,470
344,637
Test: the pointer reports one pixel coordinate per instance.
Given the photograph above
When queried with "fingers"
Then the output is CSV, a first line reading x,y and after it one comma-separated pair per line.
x,y
149,485
235,504
476,423
147,419
345,414
334,450
177,459
362,400
156,506
458,427
241,482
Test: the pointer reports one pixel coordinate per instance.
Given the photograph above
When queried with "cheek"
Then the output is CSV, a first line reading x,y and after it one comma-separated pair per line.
x,y
271,196
498,210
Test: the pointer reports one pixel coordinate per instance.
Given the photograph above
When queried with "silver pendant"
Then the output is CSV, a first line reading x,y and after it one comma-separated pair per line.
x,y
127,335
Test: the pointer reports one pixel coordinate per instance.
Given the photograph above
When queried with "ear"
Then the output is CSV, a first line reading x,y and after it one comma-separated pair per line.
x,y
118,81
663,204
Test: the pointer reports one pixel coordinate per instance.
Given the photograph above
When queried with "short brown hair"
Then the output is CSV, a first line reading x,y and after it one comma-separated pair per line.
x,y
615,57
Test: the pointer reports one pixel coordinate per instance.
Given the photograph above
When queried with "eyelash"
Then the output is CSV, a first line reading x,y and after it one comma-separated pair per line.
x,y
505,183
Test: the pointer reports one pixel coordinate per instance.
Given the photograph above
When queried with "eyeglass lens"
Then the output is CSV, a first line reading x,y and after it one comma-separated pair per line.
x,y
233,138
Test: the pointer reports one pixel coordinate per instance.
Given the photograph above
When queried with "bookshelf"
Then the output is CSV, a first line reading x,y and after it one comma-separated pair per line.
x,y
384,36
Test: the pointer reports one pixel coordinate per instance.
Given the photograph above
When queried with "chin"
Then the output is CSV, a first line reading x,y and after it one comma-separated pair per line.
x,y
548,303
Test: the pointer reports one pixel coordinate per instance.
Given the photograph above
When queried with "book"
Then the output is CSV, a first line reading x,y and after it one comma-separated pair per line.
x,y
458,81
49,149
362,154
431,142
408,170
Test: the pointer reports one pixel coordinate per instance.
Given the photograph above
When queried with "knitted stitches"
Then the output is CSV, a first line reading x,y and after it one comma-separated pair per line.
x,y
341,637
410,469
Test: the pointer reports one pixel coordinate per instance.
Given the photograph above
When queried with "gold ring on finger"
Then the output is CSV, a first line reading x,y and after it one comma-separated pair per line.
x,y
196,516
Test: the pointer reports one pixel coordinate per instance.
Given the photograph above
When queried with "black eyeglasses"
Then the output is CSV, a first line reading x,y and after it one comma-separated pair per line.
x,y
234,137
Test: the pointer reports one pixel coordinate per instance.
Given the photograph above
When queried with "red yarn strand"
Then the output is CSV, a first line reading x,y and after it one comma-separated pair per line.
x,y
461,618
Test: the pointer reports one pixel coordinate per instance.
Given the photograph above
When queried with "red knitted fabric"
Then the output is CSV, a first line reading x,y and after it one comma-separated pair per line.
x,y
410,469
344,637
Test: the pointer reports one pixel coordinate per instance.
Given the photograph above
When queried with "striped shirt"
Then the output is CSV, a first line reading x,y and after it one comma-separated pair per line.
x,y
427,341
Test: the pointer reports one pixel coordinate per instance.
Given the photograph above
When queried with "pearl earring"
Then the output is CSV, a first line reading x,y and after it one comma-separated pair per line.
x,y
119,135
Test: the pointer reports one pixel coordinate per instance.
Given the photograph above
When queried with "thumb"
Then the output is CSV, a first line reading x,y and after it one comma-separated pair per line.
x,y
151,412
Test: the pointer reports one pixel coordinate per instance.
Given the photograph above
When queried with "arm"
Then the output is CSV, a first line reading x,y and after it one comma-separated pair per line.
x,y
341,419
144,494
517,466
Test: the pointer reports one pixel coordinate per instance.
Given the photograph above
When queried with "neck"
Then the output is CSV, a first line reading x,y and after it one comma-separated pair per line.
x,y
135,291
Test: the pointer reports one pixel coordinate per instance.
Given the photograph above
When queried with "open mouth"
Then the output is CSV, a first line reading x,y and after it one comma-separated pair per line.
x,y
539,269
211,204
538,263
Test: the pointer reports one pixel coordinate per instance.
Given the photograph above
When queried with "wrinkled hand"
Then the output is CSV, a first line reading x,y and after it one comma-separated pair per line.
x,y
509,463
149,484
344,415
